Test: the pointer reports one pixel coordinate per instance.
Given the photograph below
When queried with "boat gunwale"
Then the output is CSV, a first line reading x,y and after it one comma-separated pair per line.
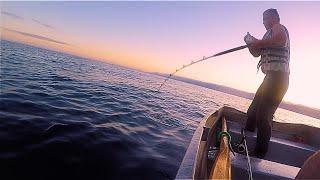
x,y
188,166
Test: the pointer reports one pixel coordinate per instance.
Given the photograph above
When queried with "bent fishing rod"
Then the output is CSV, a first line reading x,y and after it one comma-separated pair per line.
x,y
200,60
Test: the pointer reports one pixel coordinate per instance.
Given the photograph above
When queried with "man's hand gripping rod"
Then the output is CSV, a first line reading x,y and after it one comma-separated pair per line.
x,y
204,58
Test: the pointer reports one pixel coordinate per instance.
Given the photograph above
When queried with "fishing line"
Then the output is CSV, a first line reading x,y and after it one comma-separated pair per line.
x,y
200,60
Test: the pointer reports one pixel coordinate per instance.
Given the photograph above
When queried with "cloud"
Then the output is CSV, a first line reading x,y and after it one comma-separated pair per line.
x,y
11,15
43,24
21,18
35,36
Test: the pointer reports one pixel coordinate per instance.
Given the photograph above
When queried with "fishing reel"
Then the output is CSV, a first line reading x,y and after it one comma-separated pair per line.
x,y
249,39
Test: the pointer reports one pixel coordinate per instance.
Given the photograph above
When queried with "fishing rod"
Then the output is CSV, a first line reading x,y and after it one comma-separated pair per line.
x,y
200,60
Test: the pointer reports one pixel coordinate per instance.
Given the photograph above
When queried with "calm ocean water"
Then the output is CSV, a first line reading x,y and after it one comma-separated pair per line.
x,y
66,117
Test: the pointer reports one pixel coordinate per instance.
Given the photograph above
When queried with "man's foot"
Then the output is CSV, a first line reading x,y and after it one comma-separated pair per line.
x,y
259,154
256,154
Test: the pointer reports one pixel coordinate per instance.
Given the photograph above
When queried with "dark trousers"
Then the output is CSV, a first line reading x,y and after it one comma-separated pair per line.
x,y
265,102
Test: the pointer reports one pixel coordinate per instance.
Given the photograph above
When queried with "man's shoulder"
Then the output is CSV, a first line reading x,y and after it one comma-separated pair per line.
x,y
279,28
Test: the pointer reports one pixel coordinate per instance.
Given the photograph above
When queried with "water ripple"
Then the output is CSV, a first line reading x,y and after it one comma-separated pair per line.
x,y
66,117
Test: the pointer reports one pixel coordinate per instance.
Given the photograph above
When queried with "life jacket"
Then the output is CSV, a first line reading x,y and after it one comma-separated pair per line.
x,y
275,58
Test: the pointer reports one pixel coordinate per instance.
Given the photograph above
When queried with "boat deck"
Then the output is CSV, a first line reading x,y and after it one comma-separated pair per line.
x,y
262,169
280,150
284,159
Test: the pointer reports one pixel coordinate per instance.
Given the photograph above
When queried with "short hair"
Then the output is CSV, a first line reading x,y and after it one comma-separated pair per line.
x,y
272,12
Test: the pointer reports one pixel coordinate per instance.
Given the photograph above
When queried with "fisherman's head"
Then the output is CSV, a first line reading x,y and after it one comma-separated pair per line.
x,y
270,17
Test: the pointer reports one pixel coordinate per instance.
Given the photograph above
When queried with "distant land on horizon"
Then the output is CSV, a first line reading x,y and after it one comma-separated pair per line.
x,y
301,109
305,110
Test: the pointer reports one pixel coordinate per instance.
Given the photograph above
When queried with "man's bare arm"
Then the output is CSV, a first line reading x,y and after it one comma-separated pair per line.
x,y
254,51
278,39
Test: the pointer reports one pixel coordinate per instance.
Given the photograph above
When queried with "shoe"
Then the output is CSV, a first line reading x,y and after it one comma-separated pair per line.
x,y
259,154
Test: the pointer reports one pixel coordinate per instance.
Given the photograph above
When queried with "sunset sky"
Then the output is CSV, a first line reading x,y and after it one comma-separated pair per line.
x,y
162,36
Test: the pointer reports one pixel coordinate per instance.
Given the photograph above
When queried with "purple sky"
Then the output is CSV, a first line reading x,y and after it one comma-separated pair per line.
x,y
161,36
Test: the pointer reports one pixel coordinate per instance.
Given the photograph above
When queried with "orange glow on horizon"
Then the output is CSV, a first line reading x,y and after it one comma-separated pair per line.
x,y
128,60
133,40
91,52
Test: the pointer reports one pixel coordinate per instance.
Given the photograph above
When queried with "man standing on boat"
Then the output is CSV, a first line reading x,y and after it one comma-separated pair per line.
x,y
274,49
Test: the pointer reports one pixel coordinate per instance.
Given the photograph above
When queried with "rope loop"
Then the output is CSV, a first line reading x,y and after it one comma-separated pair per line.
x,y
225,133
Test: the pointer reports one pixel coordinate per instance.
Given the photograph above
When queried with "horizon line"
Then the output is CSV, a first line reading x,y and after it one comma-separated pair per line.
x,y
150,72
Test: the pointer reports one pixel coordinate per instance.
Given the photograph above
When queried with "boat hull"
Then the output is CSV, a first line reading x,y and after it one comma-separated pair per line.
x,y
289,147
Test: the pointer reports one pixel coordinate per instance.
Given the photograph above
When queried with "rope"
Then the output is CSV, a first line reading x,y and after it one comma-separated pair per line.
x,y
244,143
247,154
225,133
